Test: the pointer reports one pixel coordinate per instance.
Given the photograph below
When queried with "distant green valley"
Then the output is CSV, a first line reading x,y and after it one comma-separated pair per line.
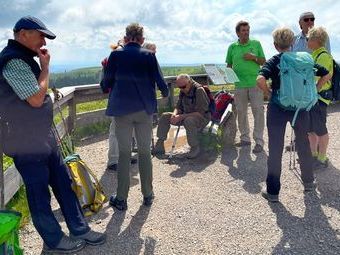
x,y
91,75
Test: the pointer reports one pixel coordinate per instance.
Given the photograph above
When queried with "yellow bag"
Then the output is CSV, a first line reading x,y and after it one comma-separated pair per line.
x,y
86,185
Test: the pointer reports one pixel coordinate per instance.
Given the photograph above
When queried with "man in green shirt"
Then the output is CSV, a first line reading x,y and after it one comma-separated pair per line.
x,y
245,57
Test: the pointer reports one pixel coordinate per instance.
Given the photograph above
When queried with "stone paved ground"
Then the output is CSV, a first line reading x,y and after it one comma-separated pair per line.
x,y
212,205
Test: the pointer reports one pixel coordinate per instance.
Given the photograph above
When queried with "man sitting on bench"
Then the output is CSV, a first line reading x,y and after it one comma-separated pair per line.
x,y
191,111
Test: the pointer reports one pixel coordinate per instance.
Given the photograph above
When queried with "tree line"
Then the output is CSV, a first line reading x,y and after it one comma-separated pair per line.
x,y
92,75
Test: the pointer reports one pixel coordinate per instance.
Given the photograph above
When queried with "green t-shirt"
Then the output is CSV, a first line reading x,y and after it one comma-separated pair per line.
x,y
246,71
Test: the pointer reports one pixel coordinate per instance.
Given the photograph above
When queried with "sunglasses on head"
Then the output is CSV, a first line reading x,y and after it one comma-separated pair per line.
x,y
308,19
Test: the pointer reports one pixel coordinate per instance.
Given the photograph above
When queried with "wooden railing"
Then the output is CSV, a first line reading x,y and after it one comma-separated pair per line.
x,y
11,181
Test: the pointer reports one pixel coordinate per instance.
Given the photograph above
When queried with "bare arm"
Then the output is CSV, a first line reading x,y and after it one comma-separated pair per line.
x,y
262,84
323,80
37,99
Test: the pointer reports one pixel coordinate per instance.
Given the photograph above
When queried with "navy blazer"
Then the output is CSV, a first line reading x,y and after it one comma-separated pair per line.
x,y
130,76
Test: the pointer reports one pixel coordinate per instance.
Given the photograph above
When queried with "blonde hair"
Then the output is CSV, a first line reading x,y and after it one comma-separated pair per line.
x,y
283,37
149,46
120,43
319,34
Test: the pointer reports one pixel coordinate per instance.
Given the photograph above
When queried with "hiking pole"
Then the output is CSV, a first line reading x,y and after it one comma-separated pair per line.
x,y
57,96
2,183
292,157
174,143
64,151
3,246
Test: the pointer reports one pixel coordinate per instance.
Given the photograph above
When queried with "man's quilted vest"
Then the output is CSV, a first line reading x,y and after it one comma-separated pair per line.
x,y
26,129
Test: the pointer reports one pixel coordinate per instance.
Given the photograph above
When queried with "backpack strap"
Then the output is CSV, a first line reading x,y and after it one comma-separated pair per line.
x,y
319,55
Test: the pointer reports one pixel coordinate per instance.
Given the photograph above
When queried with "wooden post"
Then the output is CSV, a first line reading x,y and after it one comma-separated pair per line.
x,y
71,114
171,95
2,184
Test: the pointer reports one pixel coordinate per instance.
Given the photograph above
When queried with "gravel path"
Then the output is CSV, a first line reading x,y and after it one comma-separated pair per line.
x,y
212,205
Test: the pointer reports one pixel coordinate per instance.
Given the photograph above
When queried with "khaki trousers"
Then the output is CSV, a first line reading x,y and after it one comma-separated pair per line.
x,y
254,96
191,124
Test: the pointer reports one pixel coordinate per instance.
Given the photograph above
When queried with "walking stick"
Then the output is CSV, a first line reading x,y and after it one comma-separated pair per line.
x,y
2,184
57,96
174,143
3,247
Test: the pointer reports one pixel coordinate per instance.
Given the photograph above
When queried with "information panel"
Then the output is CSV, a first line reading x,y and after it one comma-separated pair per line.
x,y
221,74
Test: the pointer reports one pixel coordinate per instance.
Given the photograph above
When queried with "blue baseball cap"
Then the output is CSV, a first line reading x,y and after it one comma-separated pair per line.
x,y
29,22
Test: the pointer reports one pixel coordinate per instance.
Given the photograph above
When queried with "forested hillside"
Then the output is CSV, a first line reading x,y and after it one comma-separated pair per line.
x,y
91,75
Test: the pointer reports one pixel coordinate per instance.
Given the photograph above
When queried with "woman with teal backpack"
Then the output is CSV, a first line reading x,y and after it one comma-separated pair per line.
x,y
278,117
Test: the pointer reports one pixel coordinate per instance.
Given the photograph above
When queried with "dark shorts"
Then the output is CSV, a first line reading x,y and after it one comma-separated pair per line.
x,y
318,118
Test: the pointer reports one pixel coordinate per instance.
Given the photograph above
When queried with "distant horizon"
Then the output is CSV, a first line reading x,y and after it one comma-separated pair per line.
x,y
70,67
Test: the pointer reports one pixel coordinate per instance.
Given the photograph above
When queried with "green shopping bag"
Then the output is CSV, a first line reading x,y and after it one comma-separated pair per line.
x,y
9,240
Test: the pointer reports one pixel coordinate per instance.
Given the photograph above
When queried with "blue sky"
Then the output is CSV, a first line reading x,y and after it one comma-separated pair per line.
x,y
185,32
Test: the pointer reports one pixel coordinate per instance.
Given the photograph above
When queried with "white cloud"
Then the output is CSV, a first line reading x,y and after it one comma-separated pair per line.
x,y
191,31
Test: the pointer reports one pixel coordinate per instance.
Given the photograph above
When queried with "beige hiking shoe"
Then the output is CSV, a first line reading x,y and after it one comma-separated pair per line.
x,y
194,152
159,148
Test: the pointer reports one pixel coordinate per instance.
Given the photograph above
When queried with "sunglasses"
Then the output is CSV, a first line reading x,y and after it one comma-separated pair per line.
x,y
308,19
182,87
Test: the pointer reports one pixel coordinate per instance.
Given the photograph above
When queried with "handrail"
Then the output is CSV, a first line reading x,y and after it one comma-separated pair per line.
x,y
72,96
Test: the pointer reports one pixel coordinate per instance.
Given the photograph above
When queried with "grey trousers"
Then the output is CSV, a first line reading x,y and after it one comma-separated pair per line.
x,y
113,153
191,124
142,123
254,96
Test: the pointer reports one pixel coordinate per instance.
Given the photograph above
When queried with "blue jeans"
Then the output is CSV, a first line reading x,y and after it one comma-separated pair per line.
x,y
277,119
39,171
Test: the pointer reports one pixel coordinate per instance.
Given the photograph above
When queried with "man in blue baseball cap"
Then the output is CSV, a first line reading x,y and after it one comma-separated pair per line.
x,y
27,111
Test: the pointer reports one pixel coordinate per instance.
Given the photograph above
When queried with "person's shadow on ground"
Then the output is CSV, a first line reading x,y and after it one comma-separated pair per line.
x,y
242,167
311,234
128,241
328,185
197,165
109,184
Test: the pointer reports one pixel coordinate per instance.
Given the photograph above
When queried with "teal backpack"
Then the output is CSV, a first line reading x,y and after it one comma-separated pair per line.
x,y
298,89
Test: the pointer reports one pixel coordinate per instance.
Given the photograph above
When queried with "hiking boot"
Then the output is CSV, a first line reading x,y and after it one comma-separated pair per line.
x,y
290,147
147,201
159,148
271,198
258,148
66,245
133,161
112,167
242,143
120,205
320,165
91,237
193,153
310,186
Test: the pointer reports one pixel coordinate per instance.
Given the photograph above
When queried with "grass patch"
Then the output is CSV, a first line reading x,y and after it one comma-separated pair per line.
x,y
7,161
99,128
19,203
91,106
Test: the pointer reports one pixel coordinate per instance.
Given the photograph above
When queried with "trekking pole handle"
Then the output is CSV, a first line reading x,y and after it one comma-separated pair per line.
x,y
57,94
